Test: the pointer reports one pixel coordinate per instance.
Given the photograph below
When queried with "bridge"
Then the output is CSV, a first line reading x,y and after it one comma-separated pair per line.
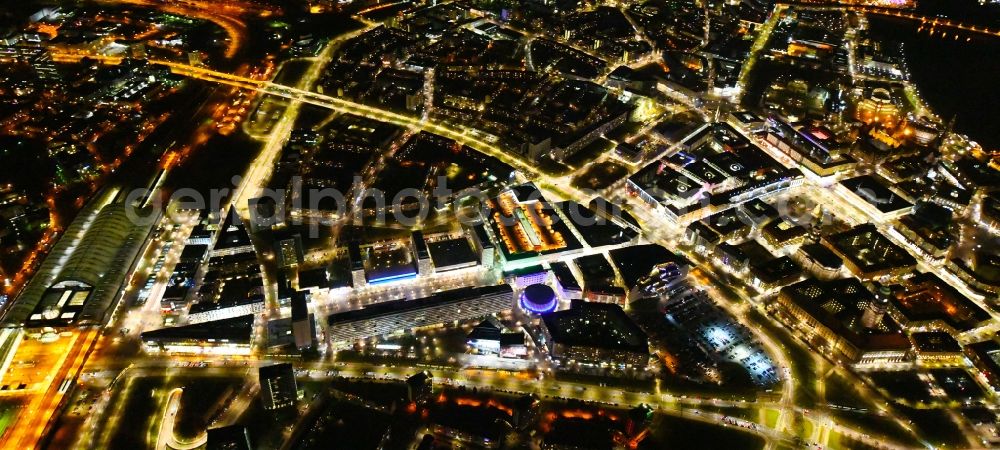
x,y
468,136
931,22
928,21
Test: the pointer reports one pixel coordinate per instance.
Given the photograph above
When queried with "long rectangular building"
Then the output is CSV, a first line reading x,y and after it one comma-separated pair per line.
x,y
397,315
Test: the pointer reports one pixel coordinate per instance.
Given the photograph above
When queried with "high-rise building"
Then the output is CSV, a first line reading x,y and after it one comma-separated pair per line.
x,y
871,317
303,323
419,248
358,278
484,246
277,386
289,251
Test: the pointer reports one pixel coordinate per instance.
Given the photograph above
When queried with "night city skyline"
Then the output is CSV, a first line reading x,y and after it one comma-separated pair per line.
x,y
499,224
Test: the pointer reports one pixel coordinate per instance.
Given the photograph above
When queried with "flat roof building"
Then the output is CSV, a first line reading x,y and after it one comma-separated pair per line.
x,y
232,336
452,254
207,311
277,386
399,315
844,316
868,253
594,334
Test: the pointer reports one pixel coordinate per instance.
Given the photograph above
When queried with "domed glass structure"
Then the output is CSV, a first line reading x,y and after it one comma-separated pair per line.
x,y
539,299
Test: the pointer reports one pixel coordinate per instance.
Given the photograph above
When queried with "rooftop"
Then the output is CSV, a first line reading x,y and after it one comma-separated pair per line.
x,y
925,297
838,305
869,250
600,325
822,255
638,261
935,342
399,306
452,252
873,190
233,330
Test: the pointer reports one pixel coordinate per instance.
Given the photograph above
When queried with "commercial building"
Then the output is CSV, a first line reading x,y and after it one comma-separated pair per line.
x,y
774,273
277,386
84,274
879,107
303,322
985,356
597,227
937,347
289,250
400,315
233,238
819,260
716,168
490,337
599,279
207,311
194,254
594,334
845,317
782,233
538,299
452,254
926,302
358,278
526,276
647,269
981,271
810,148
989,212
528,228
386,262
419,248
483,244
565,281
869,254
233,336
870,193
928,230
485,337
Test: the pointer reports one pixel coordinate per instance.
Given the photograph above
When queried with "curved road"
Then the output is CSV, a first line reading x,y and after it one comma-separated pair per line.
x,y
166,439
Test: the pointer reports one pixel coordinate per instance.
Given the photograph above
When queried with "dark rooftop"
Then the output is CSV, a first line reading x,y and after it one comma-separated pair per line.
x,y
935,342
233,330
638,261
600,325
874,191
822,255
399,306
452,252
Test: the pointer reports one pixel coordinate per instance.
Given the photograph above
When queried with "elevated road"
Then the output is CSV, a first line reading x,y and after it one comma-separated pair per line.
x,y
928,21
931,22
166,439
468,136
